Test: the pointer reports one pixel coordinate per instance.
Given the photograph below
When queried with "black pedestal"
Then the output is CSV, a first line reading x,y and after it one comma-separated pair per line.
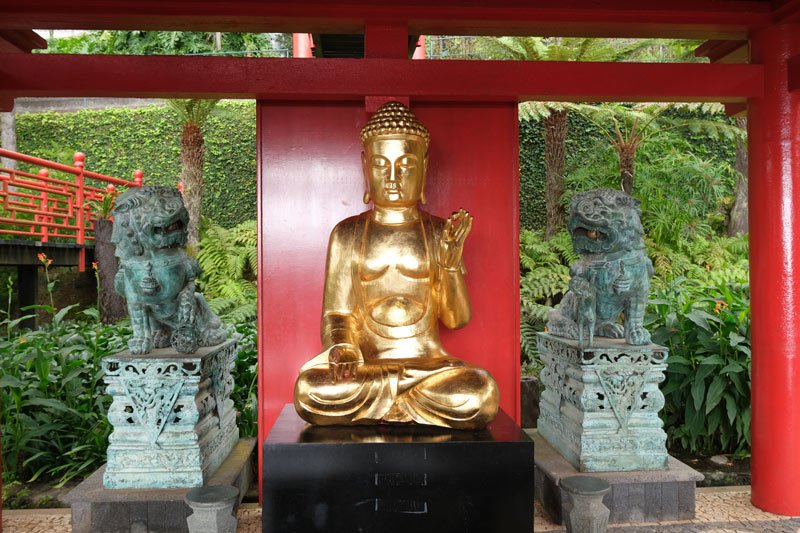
x,y
409,479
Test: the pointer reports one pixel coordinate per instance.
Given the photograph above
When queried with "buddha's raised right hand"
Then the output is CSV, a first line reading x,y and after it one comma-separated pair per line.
x,y
342,360
451,242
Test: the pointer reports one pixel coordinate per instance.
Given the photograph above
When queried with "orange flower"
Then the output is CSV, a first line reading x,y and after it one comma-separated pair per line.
x,y
42,257
719,306
94,265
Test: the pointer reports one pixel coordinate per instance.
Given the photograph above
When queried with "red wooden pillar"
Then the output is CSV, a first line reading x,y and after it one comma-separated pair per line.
x,y
774,136
302,45
419,51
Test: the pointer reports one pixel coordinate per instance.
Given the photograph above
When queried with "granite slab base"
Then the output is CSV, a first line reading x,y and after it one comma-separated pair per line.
x,y
392,479
638,496
96,509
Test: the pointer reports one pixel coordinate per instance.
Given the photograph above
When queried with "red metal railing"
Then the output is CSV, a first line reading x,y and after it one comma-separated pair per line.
x,y
42,207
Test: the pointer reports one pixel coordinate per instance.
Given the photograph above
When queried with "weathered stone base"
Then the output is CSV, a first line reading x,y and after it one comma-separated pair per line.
x,y
96,509
174,422
598,450
641,496
600,404
134,467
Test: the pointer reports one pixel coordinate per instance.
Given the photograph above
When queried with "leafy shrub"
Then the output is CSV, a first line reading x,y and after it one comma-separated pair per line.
x,y
53,400
707,390
246,379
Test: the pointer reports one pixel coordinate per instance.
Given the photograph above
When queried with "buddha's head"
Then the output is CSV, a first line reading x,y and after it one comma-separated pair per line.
x,y
395,157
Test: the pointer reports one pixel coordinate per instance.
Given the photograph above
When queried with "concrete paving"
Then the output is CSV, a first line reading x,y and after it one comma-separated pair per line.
x,y
719,510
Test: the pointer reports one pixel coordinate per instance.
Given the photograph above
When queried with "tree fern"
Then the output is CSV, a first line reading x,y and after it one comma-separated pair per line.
x,y
229,260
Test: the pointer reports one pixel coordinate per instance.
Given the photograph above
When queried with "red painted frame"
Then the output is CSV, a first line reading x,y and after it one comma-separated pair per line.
x,y
310,178
691,19
351,79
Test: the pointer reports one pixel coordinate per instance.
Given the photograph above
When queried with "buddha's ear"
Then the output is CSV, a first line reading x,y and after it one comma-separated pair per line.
x,y
366,198
422,198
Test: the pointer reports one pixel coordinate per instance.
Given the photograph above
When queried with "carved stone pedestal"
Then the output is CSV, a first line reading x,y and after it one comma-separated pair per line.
x,y
600,405
174,422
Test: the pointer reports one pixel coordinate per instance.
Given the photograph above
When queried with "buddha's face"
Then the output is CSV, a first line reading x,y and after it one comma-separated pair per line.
x,y
394,168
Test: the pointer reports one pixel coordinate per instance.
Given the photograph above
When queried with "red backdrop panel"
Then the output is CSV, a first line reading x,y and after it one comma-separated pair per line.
x,y
310,178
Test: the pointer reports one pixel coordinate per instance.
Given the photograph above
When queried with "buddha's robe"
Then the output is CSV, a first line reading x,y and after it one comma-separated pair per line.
x,y
382,294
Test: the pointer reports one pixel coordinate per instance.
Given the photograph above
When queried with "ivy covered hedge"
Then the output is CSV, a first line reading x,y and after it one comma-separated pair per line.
x,y
117,141
582,137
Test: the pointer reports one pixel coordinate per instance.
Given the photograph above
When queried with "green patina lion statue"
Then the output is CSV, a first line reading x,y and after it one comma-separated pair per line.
x,y
155,275
613,274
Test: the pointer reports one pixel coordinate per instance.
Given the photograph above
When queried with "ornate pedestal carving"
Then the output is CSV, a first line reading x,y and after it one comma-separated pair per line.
x,y
174,422
600,404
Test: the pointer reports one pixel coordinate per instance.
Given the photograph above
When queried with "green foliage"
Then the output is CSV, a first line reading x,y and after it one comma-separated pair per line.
x,y
229,259
53,401
166,42
707,390
245,389
581,142
192,111
118,141
682,193
544,278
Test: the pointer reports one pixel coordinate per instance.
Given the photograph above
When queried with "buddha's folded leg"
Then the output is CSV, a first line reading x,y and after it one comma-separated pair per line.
x,y
463,398
362,399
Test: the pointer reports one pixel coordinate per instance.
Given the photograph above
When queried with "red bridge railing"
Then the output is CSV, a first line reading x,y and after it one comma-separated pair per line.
x,y
41,207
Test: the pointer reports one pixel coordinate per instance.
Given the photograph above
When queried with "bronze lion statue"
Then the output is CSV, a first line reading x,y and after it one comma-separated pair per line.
x,y
613,274
155,275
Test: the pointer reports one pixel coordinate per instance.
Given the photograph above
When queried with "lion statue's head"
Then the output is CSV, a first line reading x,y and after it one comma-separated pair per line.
x,y
149,218
605,221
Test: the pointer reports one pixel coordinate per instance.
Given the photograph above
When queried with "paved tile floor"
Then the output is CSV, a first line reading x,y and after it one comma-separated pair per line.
x,y
719,510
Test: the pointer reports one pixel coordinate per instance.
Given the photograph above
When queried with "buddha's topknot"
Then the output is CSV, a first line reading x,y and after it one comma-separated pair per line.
x,y
393,118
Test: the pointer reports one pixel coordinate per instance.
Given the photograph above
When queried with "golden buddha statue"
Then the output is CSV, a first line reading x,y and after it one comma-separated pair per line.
x,y
392,273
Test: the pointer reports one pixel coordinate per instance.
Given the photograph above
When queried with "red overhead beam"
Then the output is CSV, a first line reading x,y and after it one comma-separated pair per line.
x,y
588,18
347,79
15,41
719,51
786,11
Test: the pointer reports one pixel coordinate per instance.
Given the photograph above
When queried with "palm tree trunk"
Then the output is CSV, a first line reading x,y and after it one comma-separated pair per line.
x,y
555,157
9,137
192,177
627,166
738,219
112,305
